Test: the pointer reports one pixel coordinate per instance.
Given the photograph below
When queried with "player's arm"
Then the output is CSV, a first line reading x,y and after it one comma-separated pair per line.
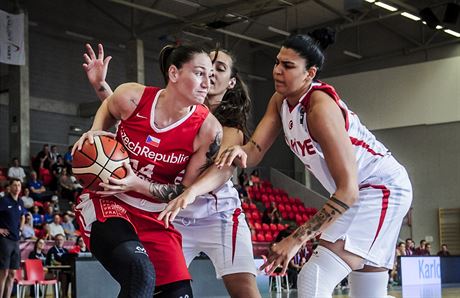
x,y
265,134
96,70
327,125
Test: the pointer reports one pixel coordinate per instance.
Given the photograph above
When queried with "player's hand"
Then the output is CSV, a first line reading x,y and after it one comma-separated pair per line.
x,y
232,155
4,232
116,186
90,136
281,254
96,67
172,209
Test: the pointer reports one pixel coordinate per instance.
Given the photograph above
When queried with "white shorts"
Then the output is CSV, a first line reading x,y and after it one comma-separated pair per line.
x,y
371,226
224,237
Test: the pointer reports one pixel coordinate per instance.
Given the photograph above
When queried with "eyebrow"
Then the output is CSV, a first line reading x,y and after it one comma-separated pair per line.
x,y
221,63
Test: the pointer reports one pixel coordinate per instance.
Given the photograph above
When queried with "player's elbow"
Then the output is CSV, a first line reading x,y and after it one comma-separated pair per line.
x,y
349,195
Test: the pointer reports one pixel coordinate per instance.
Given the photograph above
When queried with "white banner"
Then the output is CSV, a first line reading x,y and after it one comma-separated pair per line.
x,y
420,271
12,38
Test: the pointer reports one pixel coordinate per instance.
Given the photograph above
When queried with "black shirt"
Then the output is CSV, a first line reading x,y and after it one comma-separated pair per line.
x,y
11,211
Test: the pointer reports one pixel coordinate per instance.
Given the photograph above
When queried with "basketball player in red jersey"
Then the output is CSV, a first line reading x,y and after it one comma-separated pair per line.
x,y
165,132
217,207
370,191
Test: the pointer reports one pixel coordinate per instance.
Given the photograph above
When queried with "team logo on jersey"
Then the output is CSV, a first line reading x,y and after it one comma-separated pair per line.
x,y
155,142
290,124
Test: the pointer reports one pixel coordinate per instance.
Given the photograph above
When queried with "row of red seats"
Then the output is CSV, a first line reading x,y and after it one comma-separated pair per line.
x,y
263,237
267,227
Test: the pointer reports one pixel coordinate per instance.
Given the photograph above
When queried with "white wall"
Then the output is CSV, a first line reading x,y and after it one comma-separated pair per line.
x,y
423,93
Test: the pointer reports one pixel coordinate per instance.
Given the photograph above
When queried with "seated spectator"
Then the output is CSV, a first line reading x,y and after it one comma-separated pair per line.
x,y
3,178
37,190
58,255
16,171
444,252
420,251
44,156
69,190
68,226
266,218
44,232
37,218
410,247
39,251
79,247
56,227
27,199
45,175
5,191
28,231
428,249
254,178
54,155
49,215
68,158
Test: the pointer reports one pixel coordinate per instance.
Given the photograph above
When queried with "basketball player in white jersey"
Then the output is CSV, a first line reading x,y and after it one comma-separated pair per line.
x,y
214,223
166,132
370,191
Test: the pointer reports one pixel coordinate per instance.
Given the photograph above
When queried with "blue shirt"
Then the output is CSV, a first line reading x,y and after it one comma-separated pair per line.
x,y
68,157
37,184
11,211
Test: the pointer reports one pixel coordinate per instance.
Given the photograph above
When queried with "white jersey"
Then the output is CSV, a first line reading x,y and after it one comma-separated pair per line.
x,y
371,155
222,199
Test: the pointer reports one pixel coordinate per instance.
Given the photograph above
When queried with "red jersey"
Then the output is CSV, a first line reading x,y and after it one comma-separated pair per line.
x,y
159,154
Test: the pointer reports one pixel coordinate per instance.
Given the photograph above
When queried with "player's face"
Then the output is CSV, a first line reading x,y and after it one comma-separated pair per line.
x,y
222,66
193,79
289,72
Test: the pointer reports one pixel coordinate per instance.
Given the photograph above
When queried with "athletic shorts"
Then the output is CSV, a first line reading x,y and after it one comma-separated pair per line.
x,y
371,226
224,237
164,246
10,258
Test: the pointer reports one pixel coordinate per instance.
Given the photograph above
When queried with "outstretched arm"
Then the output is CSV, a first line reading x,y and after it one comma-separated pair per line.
x,y
327,125
96,71
266,132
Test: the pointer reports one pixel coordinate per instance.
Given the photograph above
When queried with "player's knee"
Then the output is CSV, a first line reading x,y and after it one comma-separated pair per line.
x,y
241,285
133,270
178,289
368,284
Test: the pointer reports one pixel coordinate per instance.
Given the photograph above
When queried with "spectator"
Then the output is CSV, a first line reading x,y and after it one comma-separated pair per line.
x,y
57,168
28,231
420,251
16,171
444,252
44,156
27,199
3,179
80,246
44,232
428,249
56,227
296,263
5,191
39,251
57,255
69,189
68,226
54,154
266,218
37,218
11,222
410,247
37,190
49,215
44,173
68,158
254,178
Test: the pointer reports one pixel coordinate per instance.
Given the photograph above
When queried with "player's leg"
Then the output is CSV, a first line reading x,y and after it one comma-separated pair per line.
x,y
116,245
241,285
178,289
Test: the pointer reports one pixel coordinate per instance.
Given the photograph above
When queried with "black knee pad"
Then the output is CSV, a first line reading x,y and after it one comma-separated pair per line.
x,y
178,289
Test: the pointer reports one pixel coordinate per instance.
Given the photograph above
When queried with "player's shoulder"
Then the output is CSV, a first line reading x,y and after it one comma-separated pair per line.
x,y
129,89
210,128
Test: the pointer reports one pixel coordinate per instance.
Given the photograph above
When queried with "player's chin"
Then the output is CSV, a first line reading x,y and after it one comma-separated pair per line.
x,y
200,97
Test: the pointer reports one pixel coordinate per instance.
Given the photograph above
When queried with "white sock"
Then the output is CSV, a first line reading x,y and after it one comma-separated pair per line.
x,y
368,284
319,276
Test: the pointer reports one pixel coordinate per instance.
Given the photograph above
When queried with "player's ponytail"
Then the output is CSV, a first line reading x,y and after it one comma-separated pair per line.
x,y
164,61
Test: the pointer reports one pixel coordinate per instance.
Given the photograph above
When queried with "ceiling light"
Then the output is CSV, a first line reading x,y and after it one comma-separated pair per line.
x,y
452,32
429,17
78,35
410,16
189,3
439,27
286,2
279,31
370,1
385,6
351,54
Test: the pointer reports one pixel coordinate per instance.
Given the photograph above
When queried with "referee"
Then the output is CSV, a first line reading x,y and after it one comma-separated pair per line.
x,y
12,213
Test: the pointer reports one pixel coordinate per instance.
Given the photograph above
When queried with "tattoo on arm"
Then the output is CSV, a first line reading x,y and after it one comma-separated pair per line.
x,y
101,89
134,102
333,208
311,228
166,192
212,151
339,202
255,144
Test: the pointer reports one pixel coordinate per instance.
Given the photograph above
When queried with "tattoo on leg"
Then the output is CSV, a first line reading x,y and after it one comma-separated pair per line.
x,y
255,144
340,203
166,192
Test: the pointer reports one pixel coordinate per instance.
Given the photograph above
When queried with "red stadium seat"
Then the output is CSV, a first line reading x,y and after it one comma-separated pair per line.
x,y
304,218
288,208
257,226
284,214
254,237
301,209
265,227
281,208
260,237
295,209
268,237
256,215
245,206
273,227
252,206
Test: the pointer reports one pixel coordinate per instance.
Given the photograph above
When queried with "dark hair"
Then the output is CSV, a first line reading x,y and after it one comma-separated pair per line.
x,y
176,55
13,180
36,243
233,110
311,46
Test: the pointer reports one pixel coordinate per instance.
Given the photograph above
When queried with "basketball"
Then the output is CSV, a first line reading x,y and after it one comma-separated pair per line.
x,y
96,163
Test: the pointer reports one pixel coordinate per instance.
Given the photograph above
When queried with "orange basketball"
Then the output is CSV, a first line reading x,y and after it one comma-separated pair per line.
x,y
95,163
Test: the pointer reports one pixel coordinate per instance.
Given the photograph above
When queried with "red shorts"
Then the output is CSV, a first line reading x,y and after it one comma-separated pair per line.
x,y
164,246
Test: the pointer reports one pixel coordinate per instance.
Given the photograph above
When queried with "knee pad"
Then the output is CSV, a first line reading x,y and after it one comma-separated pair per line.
x,y
319,276
132,268
368,284
178,289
